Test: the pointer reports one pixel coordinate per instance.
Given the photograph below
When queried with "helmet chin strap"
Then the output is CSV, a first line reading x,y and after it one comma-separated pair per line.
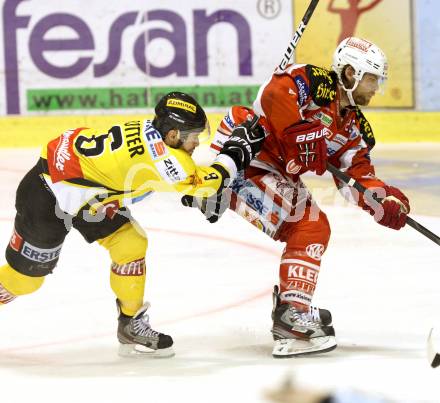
x,y
349,91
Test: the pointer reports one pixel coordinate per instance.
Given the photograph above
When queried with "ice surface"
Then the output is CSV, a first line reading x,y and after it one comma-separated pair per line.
x,y
210,288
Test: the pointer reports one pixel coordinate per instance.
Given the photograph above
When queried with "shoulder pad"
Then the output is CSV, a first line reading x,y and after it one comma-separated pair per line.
x,y
322,84
365,129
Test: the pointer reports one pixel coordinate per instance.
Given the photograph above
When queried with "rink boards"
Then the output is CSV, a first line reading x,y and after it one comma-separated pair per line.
x,y
389,127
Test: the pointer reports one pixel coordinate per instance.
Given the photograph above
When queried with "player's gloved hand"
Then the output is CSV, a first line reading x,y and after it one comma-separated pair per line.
x,y
211,207
245,141
214,206
306,147
393,209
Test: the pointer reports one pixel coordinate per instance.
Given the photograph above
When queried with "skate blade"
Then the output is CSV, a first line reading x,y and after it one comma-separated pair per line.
x,y
138,351
286,348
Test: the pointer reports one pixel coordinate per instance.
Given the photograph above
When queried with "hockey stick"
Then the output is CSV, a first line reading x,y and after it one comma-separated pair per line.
x,y
433,351
298,33
340,175
348,180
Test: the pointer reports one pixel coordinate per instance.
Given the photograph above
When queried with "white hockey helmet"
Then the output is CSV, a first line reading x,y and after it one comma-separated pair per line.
x,y
364,57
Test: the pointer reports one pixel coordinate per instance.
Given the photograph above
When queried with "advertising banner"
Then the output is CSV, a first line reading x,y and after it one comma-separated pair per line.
x,y
387,23
83,56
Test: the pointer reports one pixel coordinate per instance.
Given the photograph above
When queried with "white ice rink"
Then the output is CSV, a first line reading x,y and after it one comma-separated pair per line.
x,y
210,288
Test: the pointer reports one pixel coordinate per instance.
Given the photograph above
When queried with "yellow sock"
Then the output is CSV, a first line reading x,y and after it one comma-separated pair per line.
x,y
127,247
14,283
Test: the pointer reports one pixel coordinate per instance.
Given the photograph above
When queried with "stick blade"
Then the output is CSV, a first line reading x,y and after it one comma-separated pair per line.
x,y
433,349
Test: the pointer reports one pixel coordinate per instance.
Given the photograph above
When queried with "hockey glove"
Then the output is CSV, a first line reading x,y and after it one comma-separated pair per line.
x,y
214,206
393,209
245,141
305,146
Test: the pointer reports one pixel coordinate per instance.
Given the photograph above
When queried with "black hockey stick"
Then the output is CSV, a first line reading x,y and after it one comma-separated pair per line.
x,y
348,180
298,33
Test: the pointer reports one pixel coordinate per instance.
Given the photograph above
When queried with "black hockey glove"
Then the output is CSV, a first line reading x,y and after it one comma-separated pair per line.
x,y
214,206
245,141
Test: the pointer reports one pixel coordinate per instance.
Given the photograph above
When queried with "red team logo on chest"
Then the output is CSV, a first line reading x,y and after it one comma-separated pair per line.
x,y
61,159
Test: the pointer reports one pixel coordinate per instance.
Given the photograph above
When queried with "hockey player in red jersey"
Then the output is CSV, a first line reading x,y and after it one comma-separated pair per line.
x,y
87,180
310,115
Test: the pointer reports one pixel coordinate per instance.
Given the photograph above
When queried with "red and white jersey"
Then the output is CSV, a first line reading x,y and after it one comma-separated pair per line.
x,y
307,92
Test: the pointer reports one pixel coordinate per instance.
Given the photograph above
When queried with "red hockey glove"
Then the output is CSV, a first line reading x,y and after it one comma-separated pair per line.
x,y
392,211
305,147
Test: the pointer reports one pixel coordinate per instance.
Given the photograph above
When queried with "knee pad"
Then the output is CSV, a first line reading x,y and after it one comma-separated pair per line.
x,y
128,244
307,238
31,259
13,283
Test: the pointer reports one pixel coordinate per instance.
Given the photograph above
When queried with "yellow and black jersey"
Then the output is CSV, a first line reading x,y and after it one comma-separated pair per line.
x,y
120,167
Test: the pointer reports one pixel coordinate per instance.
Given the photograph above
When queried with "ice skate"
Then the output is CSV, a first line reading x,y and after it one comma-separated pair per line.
x,y
297,333
138,339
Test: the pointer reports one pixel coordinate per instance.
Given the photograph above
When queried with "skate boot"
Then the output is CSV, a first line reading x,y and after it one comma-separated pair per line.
x,y
137,338
297,333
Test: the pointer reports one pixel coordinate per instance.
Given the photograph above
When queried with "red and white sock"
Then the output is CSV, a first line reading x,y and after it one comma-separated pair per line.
x,y
298,278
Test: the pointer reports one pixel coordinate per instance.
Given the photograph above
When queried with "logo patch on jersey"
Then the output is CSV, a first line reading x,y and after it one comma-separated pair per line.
x,y
324,132
110,209
292,167
354,132
315,250
325,119
177,103
229,121
156,147
322,85
318,72
333,147
171,170
330,150
16,241
303,90
339,138
62,162
365,128
39,254
157,150
256,203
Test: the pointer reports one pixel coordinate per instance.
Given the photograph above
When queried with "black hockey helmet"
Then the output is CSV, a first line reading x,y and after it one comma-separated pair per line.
x,y
180,111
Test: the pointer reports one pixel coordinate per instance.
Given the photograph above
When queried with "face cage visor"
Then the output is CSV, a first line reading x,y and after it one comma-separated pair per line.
x,y
381,80
382,83
204,133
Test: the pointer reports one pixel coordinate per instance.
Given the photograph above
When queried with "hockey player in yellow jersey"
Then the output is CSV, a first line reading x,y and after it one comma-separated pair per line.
x,y
87,180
